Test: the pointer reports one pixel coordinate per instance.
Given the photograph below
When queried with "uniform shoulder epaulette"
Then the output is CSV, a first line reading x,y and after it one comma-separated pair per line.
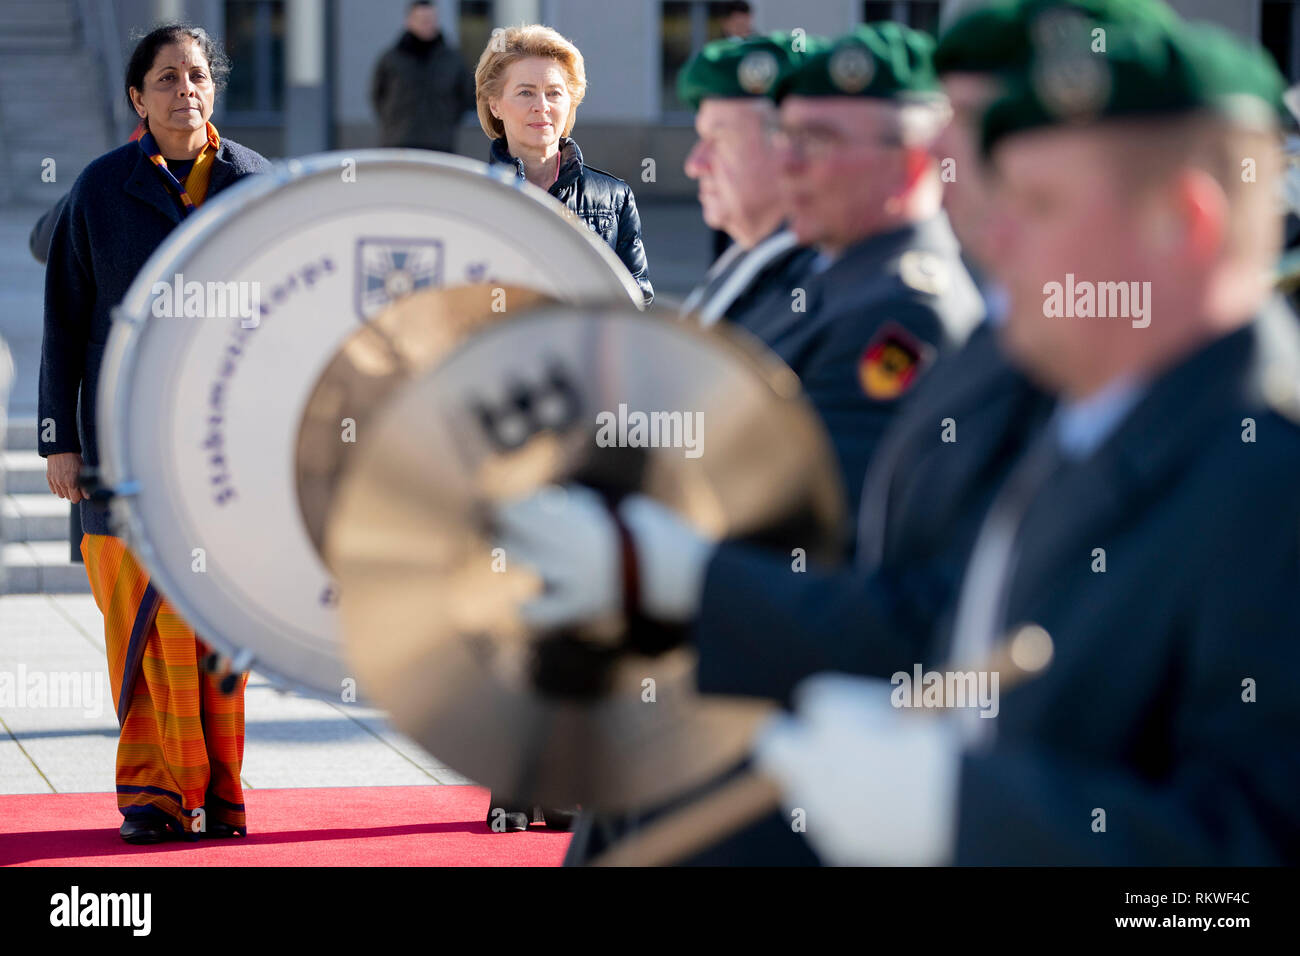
x,y
1282,393
924,271
1278,354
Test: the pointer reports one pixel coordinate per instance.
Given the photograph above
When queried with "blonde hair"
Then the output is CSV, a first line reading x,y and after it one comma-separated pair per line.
x,y
517,43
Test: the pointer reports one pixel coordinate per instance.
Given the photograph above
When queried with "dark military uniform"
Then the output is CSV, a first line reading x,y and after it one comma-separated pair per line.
x,y
746,284
876,319
762,627
1201,534
906,289
1148,710
1161,553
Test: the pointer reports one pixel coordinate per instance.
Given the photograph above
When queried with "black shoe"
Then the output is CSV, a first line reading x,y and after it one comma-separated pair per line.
x,y
219,829
556,819
145,831
505,820
505,816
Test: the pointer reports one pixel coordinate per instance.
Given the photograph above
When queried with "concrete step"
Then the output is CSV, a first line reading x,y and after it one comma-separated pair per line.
x,y
41,567
56,69
47,15
26,162
25,42
20,435
24,36
53,104
34,518
24,473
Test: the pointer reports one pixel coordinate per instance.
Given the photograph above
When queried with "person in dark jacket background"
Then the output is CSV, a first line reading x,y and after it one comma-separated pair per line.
x,y
421,87
529,83
181,744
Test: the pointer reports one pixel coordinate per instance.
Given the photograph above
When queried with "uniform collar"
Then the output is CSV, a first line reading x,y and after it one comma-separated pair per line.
x,y
1083,426
932,233
1186,404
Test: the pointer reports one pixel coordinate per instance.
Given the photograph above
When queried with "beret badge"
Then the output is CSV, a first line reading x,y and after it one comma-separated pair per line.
x,y
851,69
757,72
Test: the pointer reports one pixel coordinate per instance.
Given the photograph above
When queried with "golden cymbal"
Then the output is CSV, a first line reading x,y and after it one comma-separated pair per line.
x,y
429,609
404,339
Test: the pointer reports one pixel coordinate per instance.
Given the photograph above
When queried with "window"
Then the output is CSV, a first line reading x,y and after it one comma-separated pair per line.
x,y
918,14
684,27
476,22
254,41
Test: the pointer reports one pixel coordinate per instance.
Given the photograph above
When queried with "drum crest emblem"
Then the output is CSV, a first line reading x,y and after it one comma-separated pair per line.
x,y
388,269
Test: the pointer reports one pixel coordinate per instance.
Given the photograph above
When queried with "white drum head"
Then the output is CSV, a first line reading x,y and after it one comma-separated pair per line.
x,y
199,416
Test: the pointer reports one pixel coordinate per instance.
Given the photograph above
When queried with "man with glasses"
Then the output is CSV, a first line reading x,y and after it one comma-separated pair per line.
x,y
887,291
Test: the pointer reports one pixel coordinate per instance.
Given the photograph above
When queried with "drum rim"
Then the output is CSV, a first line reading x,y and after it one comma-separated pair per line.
x,y
122,348
224,206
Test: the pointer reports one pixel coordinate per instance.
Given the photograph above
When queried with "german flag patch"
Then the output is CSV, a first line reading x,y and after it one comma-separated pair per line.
x,y
891,362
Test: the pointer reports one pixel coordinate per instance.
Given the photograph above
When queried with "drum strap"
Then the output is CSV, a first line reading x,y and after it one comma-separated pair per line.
x,y
145,616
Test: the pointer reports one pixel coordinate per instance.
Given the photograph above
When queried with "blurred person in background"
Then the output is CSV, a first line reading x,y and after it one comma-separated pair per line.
x,y
421,88
737,20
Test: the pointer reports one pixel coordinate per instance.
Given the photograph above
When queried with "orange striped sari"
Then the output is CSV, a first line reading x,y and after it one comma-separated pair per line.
x,y
182,740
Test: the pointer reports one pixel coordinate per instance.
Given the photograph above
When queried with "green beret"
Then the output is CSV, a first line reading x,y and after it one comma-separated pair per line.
x,y
755,66
998,38
880,60
1146,71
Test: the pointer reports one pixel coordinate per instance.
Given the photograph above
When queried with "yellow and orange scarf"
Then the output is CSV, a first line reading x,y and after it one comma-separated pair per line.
x,y
195,188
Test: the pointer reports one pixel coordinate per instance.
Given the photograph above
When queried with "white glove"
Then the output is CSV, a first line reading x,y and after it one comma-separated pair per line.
x,y
569,538
878,785
673,558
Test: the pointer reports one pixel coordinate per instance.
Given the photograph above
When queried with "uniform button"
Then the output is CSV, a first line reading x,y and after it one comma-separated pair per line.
x,y
1030,650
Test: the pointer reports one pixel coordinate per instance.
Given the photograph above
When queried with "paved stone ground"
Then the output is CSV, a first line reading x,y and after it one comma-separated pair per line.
x,y
65,743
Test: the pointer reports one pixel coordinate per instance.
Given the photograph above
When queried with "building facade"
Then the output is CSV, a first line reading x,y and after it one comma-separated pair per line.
x,y
302,68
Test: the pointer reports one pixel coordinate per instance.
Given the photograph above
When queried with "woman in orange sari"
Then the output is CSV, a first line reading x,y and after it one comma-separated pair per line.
x,y
182,739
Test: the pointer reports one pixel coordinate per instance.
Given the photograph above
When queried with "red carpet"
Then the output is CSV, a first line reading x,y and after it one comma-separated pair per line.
x,y
335,826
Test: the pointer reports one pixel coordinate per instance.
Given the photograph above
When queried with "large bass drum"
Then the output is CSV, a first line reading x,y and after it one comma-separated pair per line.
x,y
200,404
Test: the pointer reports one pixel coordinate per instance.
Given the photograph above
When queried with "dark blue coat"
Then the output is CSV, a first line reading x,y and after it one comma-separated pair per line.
x,y
1141,712
602,201
118,213
775,267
